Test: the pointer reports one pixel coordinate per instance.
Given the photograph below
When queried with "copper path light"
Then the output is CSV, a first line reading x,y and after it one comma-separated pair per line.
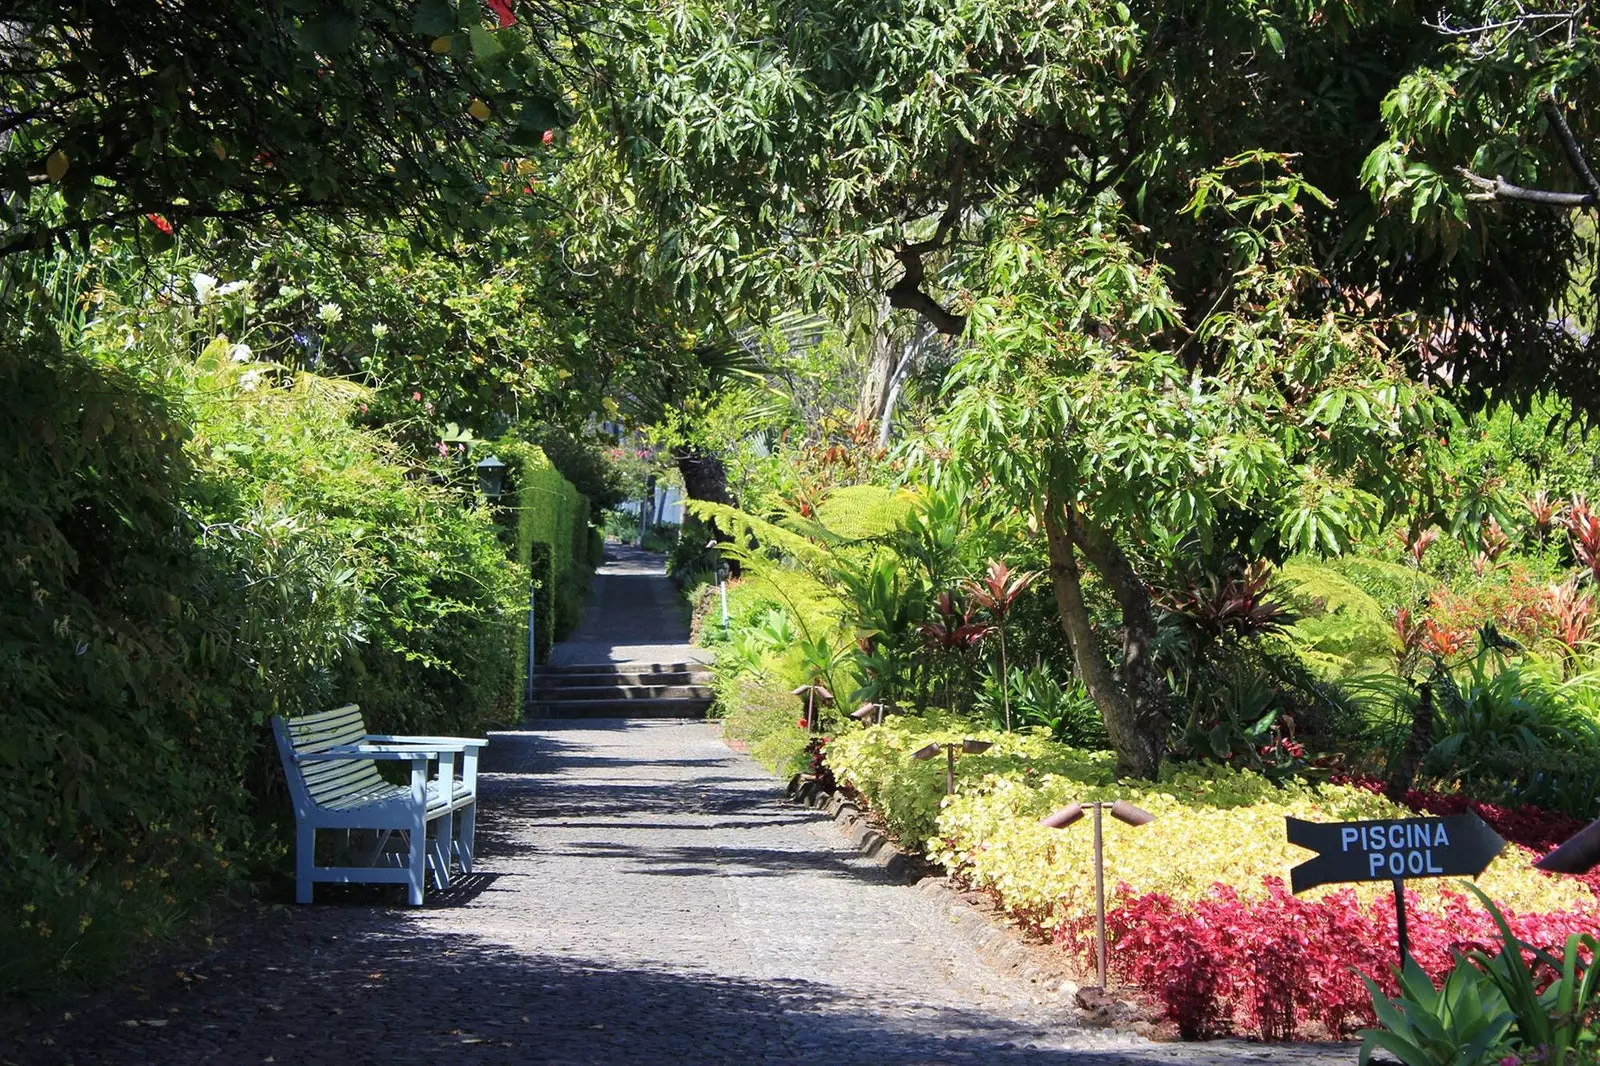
x,y
1122,811
870,711
967,746
1578,855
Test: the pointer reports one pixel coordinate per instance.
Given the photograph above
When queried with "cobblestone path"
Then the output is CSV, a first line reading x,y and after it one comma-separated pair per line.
x,y
645,896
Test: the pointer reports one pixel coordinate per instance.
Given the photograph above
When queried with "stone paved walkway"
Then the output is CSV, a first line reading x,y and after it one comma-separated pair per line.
x,y
644,897
634,615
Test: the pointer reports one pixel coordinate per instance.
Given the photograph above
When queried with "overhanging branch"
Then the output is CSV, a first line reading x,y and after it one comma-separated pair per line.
x,y
907,293
1498,189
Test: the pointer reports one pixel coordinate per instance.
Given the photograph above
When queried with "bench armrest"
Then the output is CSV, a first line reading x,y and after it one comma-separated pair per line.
x,y
366,751
435,743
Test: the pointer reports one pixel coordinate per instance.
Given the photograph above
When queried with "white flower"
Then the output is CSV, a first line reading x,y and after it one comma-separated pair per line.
x,y
232,287
379,330
330,313
249,380
204,285
240,353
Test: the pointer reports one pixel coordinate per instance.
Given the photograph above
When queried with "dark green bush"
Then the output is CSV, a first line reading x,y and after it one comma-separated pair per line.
x,y
188,546
112,679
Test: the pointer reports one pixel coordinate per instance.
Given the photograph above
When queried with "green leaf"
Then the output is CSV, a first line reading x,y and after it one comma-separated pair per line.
x,y
434,18
485,43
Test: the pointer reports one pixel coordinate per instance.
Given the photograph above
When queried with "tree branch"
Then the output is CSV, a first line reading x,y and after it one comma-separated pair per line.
x,y
1498,189
1569,143
907,293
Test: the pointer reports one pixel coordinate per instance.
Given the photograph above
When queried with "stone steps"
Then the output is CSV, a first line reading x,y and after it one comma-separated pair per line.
x,y
622,690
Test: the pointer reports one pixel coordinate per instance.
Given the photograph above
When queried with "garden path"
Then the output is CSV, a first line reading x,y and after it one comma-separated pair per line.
x,y
634,615
644,896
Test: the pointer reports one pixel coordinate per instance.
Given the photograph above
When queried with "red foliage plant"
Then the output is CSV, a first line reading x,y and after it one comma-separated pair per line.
x,y
1270,966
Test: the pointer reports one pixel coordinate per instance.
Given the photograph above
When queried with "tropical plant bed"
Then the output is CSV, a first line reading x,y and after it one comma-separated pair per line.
x,y
1199,916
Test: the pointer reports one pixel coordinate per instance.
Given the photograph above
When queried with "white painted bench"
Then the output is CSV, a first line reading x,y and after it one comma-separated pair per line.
x,y
331,763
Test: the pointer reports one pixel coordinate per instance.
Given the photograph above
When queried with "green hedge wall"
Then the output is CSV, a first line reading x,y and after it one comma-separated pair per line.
x,y
551,522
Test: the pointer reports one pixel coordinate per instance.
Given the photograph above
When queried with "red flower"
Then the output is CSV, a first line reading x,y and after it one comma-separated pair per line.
x,y
549,136
417,396
160,223
502,11
803,724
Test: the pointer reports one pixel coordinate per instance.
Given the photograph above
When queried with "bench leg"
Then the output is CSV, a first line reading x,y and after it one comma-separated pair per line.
x,y
465,836
439,850
305,859
417,862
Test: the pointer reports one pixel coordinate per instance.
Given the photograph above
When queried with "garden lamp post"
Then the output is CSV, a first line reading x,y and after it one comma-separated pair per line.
x,y
1122,811
967,746
722,589
1578,855
491,477
873,711
812,692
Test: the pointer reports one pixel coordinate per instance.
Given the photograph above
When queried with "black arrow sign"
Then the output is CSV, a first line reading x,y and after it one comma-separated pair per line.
x,y
1394,849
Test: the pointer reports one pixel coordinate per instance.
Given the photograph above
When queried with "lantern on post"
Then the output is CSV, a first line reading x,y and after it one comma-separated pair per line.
x,y
1122,811
491,477
968,746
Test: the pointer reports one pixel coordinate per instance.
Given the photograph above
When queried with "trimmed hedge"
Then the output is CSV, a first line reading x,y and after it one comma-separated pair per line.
x,y
550,519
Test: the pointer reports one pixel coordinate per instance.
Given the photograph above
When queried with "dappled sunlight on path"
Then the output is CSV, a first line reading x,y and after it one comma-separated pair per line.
x,y
644,896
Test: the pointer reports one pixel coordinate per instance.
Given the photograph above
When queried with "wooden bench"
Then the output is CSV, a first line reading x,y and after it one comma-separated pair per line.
x,y
331,763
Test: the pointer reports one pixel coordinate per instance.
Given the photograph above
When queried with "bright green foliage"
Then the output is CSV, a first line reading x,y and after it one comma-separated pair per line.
x,y
1213,824
468,335
1305,426
1455,1024
1341,627
198,541
1558,1022
856,512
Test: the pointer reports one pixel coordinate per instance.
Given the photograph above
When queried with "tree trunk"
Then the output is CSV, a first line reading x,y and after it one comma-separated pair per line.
x,y
1406,762
1135,708
881,365
706,478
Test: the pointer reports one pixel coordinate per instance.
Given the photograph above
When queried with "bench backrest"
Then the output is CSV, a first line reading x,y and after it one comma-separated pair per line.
x,y
318,782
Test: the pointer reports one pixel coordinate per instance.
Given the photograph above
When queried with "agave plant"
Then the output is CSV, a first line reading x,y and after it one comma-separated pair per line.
x,y
995,592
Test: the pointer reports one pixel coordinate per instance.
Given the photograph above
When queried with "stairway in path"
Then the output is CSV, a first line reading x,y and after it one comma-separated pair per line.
x,y
631,656
622,690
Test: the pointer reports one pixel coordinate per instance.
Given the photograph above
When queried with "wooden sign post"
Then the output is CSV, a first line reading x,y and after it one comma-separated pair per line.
x,y
1393,849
